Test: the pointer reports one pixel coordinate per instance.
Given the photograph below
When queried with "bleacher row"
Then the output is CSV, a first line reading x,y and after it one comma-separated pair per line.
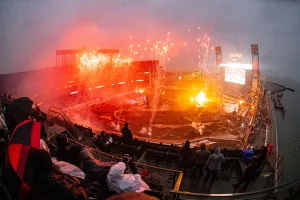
x,y
161,155
158,178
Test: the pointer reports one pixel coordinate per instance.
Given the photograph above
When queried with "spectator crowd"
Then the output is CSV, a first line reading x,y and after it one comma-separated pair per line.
x,y
58,169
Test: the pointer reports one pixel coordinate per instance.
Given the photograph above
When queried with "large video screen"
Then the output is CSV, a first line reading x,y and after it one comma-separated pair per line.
x,y
235,75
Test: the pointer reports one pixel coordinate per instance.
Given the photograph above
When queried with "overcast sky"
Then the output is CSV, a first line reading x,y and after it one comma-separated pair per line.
x,y
31,30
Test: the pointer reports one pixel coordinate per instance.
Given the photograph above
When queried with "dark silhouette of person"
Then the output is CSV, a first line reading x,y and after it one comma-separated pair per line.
x,y
49,184
261,158
200,157
186,156
248,175
127,135
63,148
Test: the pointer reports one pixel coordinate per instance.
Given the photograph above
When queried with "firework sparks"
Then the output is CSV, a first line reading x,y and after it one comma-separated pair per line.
x,y
97,61
200,52
153,50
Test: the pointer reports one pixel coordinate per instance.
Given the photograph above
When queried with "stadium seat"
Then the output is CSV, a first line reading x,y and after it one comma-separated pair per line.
x,y
151,155
133,151
162,157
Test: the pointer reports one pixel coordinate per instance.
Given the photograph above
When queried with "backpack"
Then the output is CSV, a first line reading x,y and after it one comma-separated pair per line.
x,y
67,187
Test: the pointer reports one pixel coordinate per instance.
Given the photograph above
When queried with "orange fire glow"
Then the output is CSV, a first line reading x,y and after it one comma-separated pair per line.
x,y
200,99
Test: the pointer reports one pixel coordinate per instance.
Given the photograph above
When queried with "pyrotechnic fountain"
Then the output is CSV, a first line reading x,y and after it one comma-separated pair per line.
x,y
158,50
159,82
200,52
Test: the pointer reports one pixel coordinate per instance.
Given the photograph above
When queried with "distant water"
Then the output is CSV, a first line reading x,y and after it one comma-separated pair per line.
x,y
289,129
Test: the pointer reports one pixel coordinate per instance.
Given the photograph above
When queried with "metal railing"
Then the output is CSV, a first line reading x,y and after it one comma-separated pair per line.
x,y
57,116
158,177
275,158
284,191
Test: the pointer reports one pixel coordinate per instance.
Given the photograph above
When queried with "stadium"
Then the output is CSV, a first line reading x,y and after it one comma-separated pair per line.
x,y
160,108
99,92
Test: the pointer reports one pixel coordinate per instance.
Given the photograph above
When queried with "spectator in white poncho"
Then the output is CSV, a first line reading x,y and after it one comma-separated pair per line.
x,y
119,182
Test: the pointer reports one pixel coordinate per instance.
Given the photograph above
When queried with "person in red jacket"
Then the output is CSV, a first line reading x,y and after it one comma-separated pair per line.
x,y
270,149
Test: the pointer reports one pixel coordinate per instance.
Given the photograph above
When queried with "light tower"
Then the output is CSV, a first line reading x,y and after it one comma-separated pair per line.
x,y
218,60
255,68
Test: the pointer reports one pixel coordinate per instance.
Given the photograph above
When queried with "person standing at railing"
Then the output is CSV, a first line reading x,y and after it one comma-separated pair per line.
x,y
200,157
261,158
127,135
247,154
248,175
213,164
186,156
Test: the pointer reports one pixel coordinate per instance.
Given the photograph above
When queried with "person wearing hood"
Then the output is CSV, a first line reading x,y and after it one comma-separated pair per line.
x,y
119,182
213,164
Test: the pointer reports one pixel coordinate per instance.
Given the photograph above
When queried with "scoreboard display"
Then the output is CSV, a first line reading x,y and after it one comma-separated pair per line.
x,y
235,75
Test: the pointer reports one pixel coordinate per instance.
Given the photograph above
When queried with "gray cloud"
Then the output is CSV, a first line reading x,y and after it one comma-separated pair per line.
x,y
32,30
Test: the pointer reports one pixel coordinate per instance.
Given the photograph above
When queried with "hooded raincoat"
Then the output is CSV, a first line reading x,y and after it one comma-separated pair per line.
x,y
119,182
215,160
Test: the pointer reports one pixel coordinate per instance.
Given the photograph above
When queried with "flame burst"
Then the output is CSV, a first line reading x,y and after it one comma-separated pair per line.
x,y
199,100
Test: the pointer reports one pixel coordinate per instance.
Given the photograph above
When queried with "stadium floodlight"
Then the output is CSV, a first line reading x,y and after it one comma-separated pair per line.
x,y
237,65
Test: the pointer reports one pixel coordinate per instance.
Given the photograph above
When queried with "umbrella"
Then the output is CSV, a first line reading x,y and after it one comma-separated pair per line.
x,y
132,196
25,136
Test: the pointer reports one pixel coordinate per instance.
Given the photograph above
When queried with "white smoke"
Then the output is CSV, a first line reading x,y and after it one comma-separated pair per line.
x,y
115,126
143,131
146,131
198,126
